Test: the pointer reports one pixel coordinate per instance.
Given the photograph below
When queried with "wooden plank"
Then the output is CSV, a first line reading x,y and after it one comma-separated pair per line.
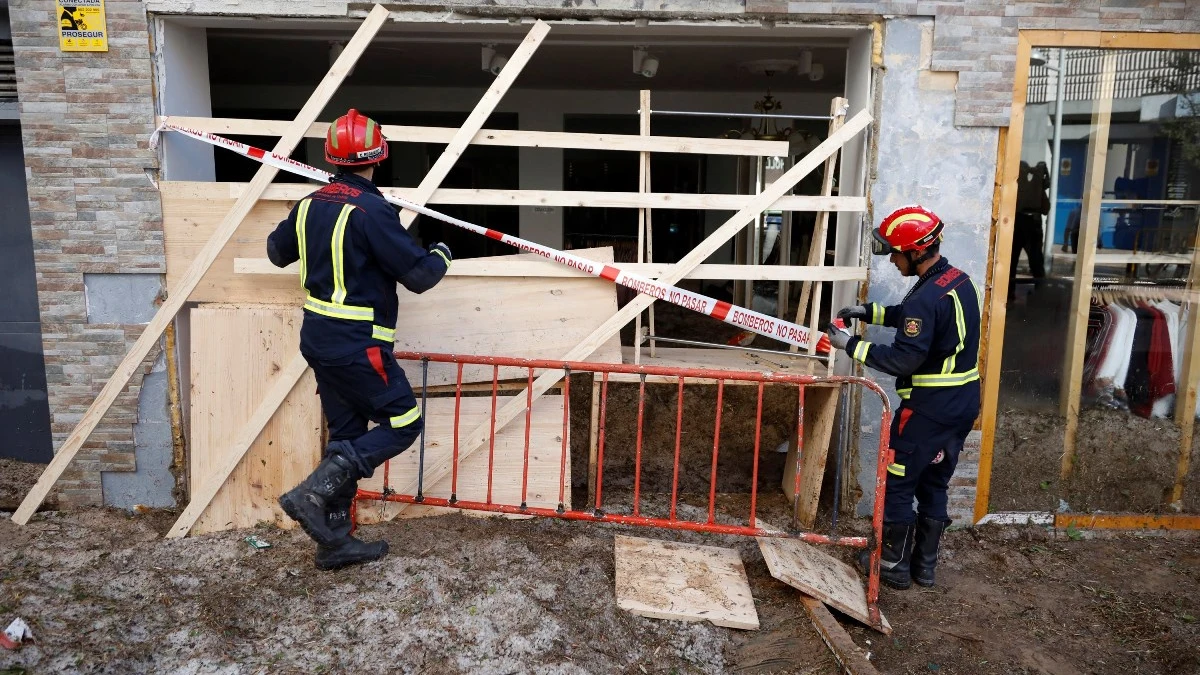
x,y
849,655
1089,223
537,266
474,122
545,460
816,573
576,198
282,386
1119,521
1185,401
525,317
820,412
992,326
643,187
706,248
683,582
199,265
506,137
726,359
816,249
237,354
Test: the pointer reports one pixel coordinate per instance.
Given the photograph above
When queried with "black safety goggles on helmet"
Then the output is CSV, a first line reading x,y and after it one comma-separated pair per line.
x,y
881,246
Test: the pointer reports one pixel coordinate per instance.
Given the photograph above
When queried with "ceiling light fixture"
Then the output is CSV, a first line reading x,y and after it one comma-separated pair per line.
x,y
491,60
644,63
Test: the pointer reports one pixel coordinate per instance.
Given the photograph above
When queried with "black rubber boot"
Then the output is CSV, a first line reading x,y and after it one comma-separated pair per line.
x,y
308,503
925,549
894,558
346,550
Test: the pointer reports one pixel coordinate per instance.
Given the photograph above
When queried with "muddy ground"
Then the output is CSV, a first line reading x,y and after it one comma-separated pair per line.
x,y
1124,463
105,593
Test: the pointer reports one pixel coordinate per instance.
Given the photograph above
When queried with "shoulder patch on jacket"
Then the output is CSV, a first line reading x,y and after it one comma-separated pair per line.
x,y
912,327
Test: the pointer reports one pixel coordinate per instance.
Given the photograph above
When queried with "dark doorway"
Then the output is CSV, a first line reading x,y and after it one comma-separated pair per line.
x,y
24,406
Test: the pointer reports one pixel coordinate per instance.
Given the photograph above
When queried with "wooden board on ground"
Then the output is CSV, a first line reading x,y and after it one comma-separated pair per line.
x,y
545,460
849,655
525,317
685,582
820,414
807,568
237,352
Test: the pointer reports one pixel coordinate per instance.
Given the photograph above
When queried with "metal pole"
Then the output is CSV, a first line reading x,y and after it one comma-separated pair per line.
x,y
1056,162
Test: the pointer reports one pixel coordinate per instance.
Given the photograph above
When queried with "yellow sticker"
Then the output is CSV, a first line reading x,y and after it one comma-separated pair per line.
x,y
81,26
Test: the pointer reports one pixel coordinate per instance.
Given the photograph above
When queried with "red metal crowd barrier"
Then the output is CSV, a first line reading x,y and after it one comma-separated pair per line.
x,y
594,511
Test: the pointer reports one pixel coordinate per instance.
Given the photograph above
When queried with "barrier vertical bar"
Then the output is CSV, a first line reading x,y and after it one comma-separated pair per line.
x,y
562,469
678,442
492,441
799,455
600,449
757,445
712,482
637,461
457,414
528,424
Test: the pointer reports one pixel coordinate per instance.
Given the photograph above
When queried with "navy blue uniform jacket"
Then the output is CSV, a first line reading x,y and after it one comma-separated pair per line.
x,y
352,251
935,354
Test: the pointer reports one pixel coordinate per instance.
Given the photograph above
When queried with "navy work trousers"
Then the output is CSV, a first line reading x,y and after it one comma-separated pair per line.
x,y
367,385
926,455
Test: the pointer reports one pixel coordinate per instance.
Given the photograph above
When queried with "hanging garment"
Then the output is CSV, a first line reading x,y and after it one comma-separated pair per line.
x,y
1151,375
1165,406
1109,380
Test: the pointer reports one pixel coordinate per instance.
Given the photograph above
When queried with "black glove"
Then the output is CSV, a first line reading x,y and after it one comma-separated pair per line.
x,y
854,312
838,338
442,250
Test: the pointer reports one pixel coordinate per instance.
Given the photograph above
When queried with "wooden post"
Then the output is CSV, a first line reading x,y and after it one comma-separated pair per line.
x,y
179,295
476,120
816,251
706,248
644,118
1085,261
1185,400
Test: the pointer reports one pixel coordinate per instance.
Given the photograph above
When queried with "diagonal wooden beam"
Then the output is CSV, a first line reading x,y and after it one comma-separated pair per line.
x,y
179,295
479,436
288,379
483,110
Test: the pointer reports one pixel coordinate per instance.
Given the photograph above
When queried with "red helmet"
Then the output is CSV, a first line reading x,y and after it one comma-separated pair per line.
x,y
354,140
908,228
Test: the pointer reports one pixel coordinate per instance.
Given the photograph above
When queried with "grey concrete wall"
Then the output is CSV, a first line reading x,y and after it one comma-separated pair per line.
x,y
922,157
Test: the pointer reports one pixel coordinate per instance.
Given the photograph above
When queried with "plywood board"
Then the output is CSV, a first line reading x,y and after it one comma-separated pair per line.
x,y
545,460
237,354
816,573
684,582
525,317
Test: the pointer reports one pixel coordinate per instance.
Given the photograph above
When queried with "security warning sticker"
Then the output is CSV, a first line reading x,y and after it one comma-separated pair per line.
x,y
81,26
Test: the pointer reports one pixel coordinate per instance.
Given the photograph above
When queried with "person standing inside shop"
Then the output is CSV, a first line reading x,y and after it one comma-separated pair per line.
x,y
1032,203
934,358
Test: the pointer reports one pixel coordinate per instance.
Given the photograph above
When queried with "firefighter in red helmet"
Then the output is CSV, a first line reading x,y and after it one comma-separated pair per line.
x,y
352,251
934,359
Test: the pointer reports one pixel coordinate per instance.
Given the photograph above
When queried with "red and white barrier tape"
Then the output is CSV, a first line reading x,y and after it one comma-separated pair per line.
x,y
762,324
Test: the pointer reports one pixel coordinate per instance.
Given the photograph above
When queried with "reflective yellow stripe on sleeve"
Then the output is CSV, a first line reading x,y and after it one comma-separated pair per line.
x,y
339,255
405,419
877,313
443,255
386,334
860,351
896,469
905,393
301,242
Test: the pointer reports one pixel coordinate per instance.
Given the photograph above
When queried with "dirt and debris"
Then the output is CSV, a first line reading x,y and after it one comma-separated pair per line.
x,y
1123,463
105,593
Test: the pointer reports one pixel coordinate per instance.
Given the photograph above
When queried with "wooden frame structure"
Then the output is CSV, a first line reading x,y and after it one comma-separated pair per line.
x,y
213,265
1086,259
